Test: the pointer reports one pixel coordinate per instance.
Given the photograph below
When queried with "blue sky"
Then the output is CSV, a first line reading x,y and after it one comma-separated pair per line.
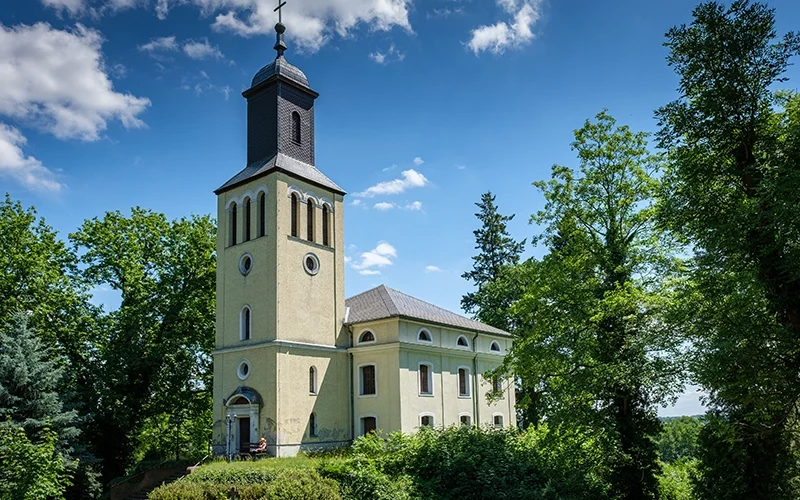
x,y
108,104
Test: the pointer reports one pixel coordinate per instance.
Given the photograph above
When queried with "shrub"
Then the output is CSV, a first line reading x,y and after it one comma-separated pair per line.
x,y
232,475
301,484
360,479
185,490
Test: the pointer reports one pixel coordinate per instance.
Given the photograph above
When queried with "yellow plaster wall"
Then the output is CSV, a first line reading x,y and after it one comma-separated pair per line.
x,y
295,403
386,404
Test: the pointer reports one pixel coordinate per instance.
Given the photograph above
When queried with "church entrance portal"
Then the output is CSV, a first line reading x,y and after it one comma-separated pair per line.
x,y
244,434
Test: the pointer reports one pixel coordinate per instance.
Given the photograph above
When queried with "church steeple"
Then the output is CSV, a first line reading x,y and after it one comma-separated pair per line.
x,y
280,109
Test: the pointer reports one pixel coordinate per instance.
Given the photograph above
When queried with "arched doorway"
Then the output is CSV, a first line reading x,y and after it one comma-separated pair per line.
x,y
242,415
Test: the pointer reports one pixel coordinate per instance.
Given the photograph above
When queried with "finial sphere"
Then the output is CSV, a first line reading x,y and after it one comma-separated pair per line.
x,y
280,28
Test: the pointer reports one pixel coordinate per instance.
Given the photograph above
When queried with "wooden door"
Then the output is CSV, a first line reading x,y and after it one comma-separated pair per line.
x,y
244,434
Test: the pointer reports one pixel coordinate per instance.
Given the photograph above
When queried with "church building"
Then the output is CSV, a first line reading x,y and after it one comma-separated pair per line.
x,y
297,363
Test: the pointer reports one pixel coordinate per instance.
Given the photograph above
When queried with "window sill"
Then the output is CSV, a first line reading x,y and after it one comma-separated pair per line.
x,y
367,395
312,243
426,394
464,396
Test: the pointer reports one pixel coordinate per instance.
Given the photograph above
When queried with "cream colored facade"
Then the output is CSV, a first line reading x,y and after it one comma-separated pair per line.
x,y
288,364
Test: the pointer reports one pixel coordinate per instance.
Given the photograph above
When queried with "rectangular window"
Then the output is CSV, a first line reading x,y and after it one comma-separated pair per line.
x,y
497,385
262,214
425,379
325,225
465,420
310,220
426,421
367,380
463,382
368,424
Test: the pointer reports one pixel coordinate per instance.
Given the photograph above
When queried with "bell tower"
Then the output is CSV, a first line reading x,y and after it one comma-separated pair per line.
x,y
280,364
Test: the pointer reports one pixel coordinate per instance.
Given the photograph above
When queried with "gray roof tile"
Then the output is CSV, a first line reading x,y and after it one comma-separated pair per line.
x,y
286,163
384,302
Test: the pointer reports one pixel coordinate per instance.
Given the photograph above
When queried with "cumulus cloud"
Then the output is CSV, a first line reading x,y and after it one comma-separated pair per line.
x,y
432,269
414,205
391,55
411,179
199,50
26,170
418,161
71,7
384,206
161,44
356,202
378,257
311,23
515,33
57,80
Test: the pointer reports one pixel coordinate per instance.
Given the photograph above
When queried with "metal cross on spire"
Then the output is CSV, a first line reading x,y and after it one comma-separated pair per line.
x,y
280,45
278,10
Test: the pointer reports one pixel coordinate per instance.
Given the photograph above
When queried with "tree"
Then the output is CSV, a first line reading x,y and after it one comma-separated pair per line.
x,y
591,317
30,471
29,380
38,275
498,251
678,438
732,189
155,350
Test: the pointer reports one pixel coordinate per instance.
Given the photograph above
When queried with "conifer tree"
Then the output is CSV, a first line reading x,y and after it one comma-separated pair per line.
x,y
497,252
29,379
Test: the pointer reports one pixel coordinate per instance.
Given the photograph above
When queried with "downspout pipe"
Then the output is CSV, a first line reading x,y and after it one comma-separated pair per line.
x,y
476,407
352,389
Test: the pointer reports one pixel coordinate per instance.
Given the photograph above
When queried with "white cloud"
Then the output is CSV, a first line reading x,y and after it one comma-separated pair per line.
x,y
414,205
71,7
199,50
498,37
391,55
162,44
384,206
460,167
411,179
356,202
58,81
418,161
311,24
390,167
26,170
380,256
432,269
369,272
444,13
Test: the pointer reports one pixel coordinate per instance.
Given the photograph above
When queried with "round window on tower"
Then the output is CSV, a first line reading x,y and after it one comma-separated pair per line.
x,y
245,264
244,369
311,264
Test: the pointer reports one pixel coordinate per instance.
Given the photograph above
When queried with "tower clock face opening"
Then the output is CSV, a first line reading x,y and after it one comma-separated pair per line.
x,y
311,264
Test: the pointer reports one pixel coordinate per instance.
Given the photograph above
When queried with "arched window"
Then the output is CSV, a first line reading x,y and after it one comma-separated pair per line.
x,y
262,214
233,223
497,420
310,220
462,341
424,336
245,323
495,347
426,420
425,379
325,225
238,400
295,207
312,380
296,126
247,219
463,382
366,337
465,419
312,425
